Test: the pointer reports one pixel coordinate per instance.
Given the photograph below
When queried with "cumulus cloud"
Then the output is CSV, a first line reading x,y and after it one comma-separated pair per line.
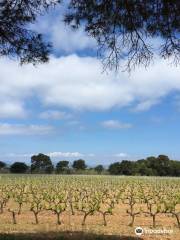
x,y
63,38
21,129
65,154
78,83
12,110
52,155
115,124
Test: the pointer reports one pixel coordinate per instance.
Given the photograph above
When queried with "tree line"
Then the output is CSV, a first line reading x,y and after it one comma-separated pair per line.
x,y
42,164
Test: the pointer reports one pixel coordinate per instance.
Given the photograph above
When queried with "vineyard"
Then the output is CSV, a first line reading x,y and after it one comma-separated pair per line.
x,y
100,204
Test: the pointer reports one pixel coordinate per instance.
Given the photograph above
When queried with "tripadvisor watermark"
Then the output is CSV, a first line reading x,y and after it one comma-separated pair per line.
x,y
140,231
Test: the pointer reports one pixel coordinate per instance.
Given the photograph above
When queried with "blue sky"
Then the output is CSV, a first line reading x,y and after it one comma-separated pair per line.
x,y
69,109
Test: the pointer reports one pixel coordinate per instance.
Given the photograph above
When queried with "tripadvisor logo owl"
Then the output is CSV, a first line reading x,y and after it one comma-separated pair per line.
x,y
138,231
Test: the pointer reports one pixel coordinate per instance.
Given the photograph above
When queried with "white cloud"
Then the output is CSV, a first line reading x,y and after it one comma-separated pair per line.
x,y
21,129
78,83
54,115
121,155
11,110
67,40
52,155
63,37
65,154
115,124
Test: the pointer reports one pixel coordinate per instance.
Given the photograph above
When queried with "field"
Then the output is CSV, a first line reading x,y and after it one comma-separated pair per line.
x,y
88,207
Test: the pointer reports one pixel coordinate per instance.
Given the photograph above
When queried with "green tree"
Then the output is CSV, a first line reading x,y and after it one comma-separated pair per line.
x,y
2,165
41,163
18,167
79,164
152,163
143,170
159,165
163,165
128,167
151,166
174,168
114,168
99,169
62,166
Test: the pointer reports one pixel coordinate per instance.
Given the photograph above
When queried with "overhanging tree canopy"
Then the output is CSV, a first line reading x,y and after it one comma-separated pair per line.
x,y
124,29
16,40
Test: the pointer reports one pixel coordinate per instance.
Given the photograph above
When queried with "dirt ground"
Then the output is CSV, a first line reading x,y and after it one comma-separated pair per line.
x,y
117,226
